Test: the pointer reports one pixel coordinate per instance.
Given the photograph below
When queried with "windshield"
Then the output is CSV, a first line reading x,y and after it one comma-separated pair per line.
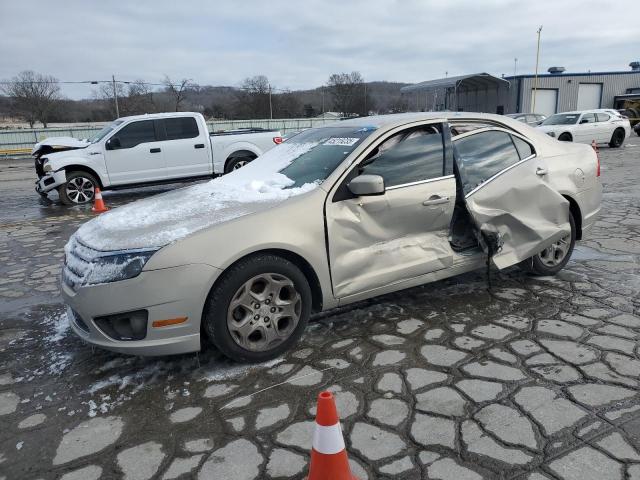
x,y
562,119
96,137
328,147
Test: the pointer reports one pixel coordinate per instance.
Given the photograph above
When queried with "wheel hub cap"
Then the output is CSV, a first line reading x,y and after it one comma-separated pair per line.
x,y
80,189
555,253
264,312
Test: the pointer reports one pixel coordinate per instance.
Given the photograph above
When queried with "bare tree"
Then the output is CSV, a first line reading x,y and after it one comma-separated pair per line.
x,y
349,93
178,90
139,99
34,96
253,98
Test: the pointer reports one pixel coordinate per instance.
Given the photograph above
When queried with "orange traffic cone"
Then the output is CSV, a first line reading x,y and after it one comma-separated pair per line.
x,y
594,145
328,455
98,204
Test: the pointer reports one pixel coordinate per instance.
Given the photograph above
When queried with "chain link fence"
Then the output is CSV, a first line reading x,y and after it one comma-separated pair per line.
x,y
20,142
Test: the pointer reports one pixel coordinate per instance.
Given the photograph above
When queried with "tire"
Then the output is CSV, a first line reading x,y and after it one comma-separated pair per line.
x,y
269,281
235,163
542,263
617,138
79,189
565,137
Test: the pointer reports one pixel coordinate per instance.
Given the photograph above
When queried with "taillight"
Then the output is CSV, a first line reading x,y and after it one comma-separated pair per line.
x,y
277,140
594,145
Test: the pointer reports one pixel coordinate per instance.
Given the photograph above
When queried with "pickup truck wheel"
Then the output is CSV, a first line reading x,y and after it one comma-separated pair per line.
x,y
617,138
236,163
258,309
553,258
79,189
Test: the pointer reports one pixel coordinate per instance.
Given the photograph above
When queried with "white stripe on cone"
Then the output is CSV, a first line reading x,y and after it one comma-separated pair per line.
x,y
98,195
328,440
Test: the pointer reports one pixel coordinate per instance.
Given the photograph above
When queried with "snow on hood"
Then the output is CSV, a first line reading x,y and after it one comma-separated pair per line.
x,y
165,218
60,142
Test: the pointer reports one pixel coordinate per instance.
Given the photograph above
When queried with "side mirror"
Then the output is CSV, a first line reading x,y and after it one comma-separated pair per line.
x,y
365,185
584,121
113,143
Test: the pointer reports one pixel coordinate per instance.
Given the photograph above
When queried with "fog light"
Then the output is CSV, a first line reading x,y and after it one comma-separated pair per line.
x,y
124,326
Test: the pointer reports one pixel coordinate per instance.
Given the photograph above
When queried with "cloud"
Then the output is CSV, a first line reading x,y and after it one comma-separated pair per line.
x,y
299,44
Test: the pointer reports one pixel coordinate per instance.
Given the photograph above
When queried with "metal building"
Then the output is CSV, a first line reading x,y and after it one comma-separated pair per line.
x,y
479,92
556,92
562,92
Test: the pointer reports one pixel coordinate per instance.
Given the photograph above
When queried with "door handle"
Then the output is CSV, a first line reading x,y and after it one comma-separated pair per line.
x,y
541,171
199,145
154,150
435,200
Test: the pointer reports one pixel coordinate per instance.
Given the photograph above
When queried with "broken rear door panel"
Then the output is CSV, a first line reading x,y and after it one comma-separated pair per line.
x,y
514,208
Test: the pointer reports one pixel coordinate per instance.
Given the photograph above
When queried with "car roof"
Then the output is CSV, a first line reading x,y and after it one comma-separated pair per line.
x,y
157,115
398,119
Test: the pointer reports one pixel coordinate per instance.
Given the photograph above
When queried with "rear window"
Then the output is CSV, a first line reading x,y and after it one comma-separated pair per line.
x,y
183,127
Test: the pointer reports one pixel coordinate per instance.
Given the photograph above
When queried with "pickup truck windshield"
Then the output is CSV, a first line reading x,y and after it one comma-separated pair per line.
x,y
562,119
96,137
331,147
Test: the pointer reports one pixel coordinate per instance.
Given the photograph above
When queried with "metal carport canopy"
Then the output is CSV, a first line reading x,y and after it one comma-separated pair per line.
x,y
476,80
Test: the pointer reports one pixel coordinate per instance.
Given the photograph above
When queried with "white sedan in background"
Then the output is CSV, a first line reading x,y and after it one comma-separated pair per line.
x,y
587,126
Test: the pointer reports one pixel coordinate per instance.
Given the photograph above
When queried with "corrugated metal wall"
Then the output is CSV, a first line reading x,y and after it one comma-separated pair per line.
x,y
567,86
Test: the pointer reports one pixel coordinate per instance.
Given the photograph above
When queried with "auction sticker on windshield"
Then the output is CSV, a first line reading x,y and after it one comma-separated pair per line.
x,y
342,141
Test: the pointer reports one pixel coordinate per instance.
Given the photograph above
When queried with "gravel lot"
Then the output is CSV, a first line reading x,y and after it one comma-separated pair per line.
x,y
535,379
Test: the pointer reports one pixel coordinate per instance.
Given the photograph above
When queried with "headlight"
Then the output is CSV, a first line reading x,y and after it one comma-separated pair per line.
x,y
46,166
121,266
551,134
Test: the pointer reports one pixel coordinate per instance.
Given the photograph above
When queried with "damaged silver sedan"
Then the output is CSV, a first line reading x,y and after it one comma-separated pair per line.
x,y
334,215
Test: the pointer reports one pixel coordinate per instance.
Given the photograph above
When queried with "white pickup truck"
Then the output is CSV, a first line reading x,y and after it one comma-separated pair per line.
x,y
144,150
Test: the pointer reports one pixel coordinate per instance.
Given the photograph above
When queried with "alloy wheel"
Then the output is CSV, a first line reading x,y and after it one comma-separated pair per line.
x,y
264,312
80,189
554,254
239,164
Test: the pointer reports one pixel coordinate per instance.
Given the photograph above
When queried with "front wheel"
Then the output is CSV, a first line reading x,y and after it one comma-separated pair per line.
x,y
617,138
258,309
79,189
553,258
236,163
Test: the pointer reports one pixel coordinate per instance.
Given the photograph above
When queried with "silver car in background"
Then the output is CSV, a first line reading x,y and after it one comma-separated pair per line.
x,y
334,215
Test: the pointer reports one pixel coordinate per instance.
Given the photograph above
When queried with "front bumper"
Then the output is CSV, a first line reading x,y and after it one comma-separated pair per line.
x,y
167,293
50,181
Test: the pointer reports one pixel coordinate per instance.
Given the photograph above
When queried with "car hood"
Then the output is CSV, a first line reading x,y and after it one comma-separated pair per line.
x,y
60,143
157,221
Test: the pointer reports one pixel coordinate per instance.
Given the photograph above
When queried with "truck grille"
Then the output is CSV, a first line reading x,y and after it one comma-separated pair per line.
x,y
77,263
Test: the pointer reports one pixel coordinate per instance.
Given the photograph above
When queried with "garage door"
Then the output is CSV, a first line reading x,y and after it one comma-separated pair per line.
x,y
589,95
546,101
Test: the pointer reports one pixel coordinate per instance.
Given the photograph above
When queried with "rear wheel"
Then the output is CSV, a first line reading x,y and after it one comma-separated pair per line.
x,y
259,308
236,163
617,138
553,258
565,137
79,189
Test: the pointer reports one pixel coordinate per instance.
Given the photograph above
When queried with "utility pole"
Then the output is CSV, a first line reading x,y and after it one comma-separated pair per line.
x,y
535,81
515,66
270,104
115,95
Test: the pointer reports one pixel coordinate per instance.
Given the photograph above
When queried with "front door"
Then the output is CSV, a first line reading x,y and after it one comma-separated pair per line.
x,y
376,241
514,208
134,154
587,130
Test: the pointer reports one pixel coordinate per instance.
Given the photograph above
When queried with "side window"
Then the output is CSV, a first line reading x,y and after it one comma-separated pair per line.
x,y
136,133
483,155
177,128
524,148
603,117
588,118
409,156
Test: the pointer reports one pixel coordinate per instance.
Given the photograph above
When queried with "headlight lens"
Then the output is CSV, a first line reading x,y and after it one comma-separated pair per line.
x,y
121,266
46,166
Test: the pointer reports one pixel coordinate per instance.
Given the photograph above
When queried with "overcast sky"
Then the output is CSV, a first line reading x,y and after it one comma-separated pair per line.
x,y
299,44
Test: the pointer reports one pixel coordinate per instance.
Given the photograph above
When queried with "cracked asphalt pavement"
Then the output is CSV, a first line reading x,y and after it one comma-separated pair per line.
x,y
535,379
